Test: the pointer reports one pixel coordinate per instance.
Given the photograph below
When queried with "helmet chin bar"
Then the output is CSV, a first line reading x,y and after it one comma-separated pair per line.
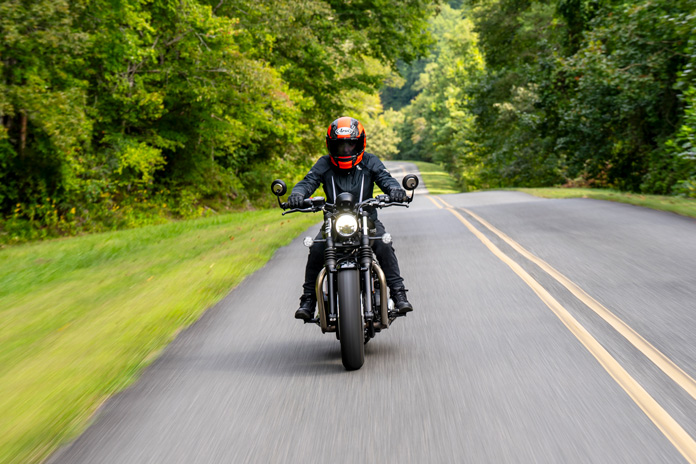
x,y
346,162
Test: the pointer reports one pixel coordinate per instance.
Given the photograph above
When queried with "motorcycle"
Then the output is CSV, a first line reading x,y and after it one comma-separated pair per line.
x,y
351,288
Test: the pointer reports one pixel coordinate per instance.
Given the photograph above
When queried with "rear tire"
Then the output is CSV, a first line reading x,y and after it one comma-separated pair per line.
x,y
350,323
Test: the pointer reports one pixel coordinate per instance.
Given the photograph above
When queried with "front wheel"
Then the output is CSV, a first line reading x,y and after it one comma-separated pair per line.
x,y
350,322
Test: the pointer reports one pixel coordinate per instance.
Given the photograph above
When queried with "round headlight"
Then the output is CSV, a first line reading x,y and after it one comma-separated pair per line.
x,y
346,225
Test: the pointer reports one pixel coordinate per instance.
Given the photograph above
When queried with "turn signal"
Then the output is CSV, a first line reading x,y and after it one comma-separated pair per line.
x,y
308,241
387,238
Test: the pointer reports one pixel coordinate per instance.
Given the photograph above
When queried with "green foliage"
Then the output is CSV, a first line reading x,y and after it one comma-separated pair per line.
x,y
380,125
397,94
579,92
114,109
627,66
384,138
679,159
522,40
437,122
679,155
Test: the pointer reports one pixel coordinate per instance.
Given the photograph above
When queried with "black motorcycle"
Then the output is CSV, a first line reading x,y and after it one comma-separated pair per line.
x,y
351,288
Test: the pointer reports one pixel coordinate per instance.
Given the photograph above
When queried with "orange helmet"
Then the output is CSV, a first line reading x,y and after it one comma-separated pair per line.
x,y
346,142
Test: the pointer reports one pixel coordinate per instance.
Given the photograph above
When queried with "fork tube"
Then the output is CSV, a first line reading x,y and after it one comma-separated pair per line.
x,y
365,267
330,262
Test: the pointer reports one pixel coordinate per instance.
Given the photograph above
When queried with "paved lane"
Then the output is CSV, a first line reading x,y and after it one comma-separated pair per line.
x,y
482,371
398,169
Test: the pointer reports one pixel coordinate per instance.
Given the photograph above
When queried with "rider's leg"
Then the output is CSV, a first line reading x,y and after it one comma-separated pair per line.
x,y
390,265
315,261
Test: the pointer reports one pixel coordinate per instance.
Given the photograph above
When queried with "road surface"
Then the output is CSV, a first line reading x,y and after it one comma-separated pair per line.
x,y
544,331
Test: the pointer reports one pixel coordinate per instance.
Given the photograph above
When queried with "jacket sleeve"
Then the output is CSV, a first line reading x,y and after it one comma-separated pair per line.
x,y
383,179
311,181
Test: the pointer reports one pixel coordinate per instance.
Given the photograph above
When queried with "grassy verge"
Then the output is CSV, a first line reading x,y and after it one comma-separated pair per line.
x,y
436,180
439,182
81,317
683,206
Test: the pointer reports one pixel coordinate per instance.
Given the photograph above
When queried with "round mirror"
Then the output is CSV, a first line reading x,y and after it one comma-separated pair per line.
x,y
410,182
278,187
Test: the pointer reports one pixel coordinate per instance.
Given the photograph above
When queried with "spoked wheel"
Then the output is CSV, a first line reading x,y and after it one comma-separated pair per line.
x,y
350,322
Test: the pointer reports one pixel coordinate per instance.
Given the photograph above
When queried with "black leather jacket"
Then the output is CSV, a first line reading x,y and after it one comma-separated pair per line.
x,y
359,181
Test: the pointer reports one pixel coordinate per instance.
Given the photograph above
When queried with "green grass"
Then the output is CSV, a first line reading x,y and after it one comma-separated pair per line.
x,y
81,317
683,206
436,179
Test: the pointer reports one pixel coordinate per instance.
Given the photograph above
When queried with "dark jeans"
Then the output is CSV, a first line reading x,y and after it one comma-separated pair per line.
x,y
385,256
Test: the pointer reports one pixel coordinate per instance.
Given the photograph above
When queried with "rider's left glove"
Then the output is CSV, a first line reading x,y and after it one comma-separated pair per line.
x,y
296,200
397,195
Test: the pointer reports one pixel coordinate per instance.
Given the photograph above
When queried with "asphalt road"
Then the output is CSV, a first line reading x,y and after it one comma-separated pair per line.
x,y
499,363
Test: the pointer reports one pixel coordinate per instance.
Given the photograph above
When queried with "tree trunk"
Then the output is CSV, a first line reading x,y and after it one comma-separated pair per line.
x,y
23,133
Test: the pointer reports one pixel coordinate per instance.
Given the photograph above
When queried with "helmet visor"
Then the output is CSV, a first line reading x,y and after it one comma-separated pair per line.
x,y
344,148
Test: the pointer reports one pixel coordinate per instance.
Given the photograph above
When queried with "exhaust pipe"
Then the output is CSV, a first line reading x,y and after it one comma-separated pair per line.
x,y
319,292
384,300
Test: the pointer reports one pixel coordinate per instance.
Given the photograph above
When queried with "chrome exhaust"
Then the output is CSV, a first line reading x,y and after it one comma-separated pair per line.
x,y
384,300
319,292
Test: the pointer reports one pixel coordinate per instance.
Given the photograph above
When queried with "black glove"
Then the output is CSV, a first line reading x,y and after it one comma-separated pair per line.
x,y
397,195
296,200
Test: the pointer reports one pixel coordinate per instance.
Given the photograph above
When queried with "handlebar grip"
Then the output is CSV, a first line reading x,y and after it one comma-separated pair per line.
x,y
306,203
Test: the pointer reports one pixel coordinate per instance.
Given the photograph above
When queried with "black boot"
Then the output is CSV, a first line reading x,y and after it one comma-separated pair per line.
x,y
306,310
398,295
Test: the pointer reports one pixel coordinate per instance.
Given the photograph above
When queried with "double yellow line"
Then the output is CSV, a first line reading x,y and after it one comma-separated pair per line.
x,y
666,423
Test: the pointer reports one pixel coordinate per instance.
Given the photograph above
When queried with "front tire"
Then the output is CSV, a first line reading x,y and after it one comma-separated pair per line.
x,y
350,323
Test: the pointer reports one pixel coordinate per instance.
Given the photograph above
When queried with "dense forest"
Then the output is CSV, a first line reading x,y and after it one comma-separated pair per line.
x,y
598,93
118,113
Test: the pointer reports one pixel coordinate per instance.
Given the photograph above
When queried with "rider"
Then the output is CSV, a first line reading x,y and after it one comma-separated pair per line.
x,y
348,168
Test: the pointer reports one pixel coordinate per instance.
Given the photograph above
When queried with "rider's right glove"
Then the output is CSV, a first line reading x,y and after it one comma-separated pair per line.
x,y
397,195
296,200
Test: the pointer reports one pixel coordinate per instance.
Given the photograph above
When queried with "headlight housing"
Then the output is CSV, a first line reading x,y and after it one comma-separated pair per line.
x,y
346,225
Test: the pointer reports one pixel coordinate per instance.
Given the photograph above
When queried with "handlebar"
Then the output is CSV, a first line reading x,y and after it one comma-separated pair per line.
x,y
316,205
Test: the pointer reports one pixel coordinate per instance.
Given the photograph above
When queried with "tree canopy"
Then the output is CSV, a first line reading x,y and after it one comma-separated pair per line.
x,y
123,112
576,92
115,111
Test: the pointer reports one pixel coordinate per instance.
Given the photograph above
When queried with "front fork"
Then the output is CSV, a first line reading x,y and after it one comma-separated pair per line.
x,y
366,270
367,266
330,317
